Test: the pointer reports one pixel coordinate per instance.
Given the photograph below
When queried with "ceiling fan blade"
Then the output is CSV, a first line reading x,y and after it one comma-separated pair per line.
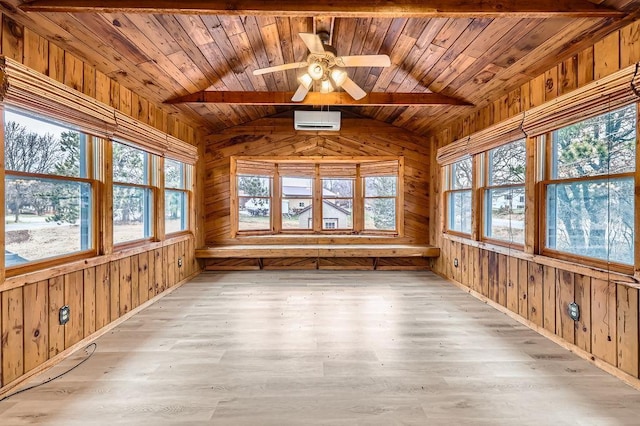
x,y
353,89
300,93
283,67
364,61
313,42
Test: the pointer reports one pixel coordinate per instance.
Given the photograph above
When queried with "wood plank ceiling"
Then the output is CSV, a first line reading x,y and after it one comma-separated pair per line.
x,y
472,59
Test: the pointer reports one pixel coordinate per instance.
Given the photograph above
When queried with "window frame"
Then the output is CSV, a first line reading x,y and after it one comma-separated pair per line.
x,y
451,190
150,190
337,230
548,168
385,197
318,197
185,170
91,142
238,197
485,191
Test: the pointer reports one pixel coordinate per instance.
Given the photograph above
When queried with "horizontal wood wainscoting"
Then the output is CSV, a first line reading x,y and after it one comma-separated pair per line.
x,y
318,256
104,290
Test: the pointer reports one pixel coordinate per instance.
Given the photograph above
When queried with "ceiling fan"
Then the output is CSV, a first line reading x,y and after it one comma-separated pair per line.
x,y
324,67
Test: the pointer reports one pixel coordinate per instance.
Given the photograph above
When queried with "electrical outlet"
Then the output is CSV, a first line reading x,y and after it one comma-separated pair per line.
x,y
574,311
179,262
64,314
455,262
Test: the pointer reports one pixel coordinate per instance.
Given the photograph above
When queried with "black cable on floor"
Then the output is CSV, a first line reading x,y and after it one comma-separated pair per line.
x,y
51,379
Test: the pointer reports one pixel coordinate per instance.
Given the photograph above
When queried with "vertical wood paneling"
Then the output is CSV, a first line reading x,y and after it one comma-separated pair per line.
x,y
158,272
512,284
493,273
503,278
89,297
630,44
583,299
565,293
36,324
484,269
103,296
603,320
56,301
523,288
125,285
56,63
606,54
535,293
12,335
36,52
549,298
627,329
135,281
73,288
12,38
114,281
143,277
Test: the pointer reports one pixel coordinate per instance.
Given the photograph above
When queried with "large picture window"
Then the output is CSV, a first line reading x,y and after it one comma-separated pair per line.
x,y
332,195
48,190
132,194
176,196
458,196
590,188
504,193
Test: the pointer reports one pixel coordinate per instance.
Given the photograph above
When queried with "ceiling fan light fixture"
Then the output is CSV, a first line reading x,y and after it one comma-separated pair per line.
x,y
338,76
306,80
316,71
326,86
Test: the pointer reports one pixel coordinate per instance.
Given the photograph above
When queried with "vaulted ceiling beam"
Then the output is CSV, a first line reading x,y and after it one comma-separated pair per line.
x,y
315,98
352,8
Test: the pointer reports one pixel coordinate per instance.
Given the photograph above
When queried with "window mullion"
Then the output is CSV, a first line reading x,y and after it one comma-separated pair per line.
x,y
358,202
276,202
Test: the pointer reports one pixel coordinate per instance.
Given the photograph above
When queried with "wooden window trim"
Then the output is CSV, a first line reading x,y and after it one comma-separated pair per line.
x,y
317,197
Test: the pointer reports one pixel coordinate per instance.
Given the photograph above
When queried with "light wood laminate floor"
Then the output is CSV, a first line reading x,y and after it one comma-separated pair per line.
x,y
324,348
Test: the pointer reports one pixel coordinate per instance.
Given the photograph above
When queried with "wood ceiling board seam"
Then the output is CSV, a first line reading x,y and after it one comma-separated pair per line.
x,y
269,34
148,24
253,32
286,47
405,8
372,45
244,50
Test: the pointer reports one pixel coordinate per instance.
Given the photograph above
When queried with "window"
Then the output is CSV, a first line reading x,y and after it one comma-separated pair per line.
x,y
132,194
504,193
254,203
380,202
48,190
458,196
337,203
176,196
590,188
297,203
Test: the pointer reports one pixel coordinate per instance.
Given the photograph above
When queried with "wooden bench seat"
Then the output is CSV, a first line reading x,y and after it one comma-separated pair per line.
x,y
317,250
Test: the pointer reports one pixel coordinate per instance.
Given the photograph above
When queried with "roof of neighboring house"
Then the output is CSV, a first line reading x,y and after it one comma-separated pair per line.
x,y
330,204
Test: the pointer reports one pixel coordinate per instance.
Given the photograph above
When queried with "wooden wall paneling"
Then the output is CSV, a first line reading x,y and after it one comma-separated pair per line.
x,y
627,328
464,264
124,266
135,281
153,285
606,54
36,324
565,294
73,297
73,72
630,44
114,94
485,275
585,66
159,272
103,88
457,270
537,91
12,335
568,77
583,299
143,277
171,265
114,281
512,283
503,278
89,299
56,63
551,84
523,288
12,38
89,81
535,293
603,320
549,298
36,52
103,295
493,275
56,301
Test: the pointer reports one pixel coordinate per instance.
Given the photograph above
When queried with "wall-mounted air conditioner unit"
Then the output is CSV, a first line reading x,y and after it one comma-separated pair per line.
x,y
316,120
